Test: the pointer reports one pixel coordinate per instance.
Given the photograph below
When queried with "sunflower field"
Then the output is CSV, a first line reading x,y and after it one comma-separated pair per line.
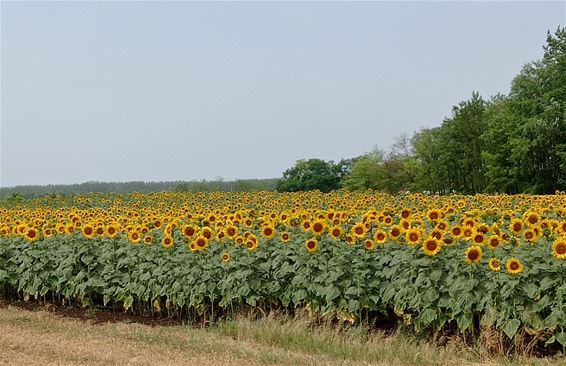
x,y
432,263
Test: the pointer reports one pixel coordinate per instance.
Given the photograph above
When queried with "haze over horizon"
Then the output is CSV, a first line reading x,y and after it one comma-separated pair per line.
x,y
115,92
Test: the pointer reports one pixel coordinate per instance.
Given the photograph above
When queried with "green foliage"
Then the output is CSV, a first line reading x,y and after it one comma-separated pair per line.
x,y
393,172
451,155
313,174
368,172
392,280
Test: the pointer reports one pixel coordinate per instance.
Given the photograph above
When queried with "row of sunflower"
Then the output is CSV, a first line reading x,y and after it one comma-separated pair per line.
x,y
433,259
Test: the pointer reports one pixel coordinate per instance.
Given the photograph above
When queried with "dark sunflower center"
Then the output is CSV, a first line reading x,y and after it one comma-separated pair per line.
x,y
431,245
473,255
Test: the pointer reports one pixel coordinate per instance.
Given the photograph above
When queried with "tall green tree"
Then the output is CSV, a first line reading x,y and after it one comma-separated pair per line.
x,y
451,155
401,165
428,145
502,171
368,172
538,102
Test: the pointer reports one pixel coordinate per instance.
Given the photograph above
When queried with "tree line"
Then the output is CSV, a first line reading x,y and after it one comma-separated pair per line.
x,y
508,143
239,185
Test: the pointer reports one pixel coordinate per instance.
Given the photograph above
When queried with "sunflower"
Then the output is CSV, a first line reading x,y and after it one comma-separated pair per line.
x,y
441,225
447,240
285,237
167,242
188,231
456,231
88,231
306,225
111,230
516,226
351,240
22,228
474,254
134,237
494,265
395,231
413,236
47,232
60,228
318,227
478,238
359,230
380,236
201,242
268,231
99,230
530,236
532,217
225,257
220,235
148,240
231,231
431,246
369,244
433,215
4,230
514,266
70,228
436,233
468,232
251,245
32,234
206,232
493,242
559,248
405,213
335,232
311,245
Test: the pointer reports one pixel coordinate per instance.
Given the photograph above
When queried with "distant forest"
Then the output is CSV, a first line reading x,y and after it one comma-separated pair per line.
x,y
240,185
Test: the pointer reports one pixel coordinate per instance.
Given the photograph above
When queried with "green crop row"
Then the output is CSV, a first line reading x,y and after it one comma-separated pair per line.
x,y
427,293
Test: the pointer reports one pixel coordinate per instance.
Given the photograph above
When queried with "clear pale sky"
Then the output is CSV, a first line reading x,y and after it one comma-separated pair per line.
x,y
121,91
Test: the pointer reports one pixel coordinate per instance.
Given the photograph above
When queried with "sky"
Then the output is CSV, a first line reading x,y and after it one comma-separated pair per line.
x,y
166,91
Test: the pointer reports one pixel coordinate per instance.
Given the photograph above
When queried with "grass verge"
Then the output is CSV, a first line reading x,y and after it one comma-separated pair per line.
x,y
43,338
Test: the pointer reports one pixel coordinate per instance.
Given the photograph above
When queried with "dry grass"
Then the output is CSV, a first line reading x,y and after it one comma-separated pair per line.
x,y
42,338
